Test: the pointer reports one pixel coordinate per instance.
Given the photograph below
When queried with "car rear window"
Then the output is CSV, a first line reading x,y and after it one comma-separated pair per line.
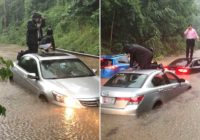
x,y
106,62
179,62
127,80
123,59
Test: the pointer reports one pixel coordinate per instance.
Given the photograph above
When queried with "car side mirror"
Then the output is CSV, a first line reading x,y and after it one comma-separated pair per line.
x,y
181,80
94,70
32,76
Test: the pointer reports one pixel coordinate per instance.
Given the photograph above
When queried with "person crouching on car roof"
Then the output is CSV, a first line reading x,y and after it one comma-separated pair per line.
x,y
47,41
143,56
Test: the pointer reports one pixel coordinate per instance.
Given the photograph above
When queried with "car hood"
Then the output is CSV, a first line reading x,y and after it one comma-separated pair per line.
x,y
120,92
80,88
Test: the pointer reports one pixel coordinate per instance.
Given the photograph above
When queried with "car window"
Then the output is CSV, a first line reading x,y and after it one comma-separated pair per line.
x,y
123,59
171,77
196,63
127,80
179,62
64,68
158,80
28,64
106,62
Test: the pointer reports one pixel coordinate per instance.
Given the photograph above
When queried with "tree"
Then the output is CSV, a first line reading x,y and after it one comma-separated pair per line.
x,y
156,23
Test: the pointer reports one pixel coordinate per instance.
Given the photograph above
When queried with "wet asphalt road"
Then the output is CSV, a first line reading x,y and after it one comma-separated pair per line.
x,y
178,119
27,118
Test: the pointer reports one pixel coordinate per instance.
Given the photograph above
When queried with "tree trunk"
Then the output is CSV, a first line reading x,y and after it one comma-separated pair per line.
x,y
4,21
112,28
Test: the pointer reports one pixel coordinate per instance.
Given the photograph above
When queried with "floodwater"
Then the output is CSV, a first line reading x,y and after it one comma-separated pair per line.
x,y
28,118
179,119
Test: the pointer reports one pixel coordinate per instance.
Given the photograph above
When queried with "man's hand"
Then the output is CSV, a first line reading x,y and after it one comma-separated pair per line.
x,y
38,25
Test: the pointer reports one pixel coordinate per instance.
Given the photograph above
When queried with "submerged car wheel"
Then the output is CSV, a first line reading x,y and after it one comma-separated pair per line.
x,y
157,105
43,98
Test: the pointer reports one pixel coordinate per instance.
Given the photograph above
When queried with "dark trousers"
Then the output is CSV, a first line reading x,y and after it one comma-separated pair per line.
x,y
33,48
146,64
190,43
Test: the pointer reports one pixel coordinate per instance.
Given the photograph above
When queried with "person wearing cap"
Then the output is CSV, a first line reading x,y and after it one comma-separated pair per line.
x,y
139,54
190,35
34,33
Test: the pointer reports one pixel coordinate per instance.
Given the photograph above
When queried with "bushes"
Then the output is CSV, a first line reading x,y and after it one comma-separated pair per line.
x,y
156,24
78,32
5,73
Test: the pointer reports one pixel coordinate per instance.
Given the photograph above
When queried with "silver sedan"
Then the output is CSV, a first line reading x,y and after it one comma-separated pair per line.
x,y
59,78
135,92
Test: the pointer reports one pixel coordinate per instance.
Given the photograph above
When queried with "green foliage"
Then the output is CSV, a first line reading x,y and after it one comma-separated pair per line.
x,y
75,23
2,110
5,73
158,24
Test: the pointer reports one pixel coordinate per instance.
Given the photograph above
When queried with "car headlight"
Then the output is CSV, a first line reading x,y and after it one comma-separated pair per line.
x,y
67,100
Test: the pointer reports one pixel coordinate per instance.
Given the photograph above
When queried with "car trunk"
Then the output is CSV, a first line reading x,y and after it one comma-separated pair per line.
x,y
115,97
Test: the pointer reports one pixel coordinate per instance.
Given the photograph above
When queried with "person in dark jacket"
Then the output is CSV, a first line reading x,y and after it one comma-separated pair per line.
x,y
143,56
34,33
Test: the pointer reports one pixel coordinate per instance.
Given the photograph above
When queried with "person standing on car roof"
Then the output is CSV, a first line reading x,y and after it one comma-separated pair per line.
x,y
143,56
34,33
190,35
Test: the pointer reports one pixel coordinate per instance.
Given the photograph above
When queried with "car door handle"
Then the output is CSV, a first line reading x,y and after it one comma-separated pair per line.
x,y
14,69
160,90
174,86
25,76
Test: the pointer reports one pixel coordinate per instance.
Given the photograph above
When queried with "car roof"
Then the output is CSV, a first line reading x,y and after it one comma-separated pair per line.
x,y
112,56
174,62
146,72
51,56
195,58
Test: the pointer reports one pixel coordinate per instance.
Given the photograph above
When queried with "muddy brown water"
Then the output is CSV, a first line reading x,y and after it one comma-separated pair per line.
x,y
27,118
178,119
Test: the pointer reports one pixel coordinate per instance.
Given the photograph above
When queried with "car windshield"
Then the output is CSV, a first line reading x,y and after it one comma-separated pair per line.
x,y
127,80
106,62
64,68
179,62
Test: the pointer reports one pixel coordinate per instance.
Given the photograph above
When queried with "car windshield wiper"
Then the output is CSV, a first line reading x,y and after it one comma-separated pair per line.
x,y
52,78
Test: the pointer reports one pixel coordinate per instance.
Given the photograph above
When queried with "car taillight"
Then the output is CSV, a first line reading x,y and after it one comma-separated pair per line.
x,y
166,68
134,100
182,70
111,67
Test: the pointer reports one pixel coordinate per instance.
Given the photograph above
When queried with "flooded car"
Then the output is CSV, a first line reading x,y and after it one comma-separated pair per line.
x,y
60,78
135,92
184,66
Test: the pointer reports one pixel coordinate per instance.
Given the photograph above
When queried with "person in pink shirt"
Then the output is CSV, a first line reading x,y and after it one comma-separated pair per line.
x,y
190,35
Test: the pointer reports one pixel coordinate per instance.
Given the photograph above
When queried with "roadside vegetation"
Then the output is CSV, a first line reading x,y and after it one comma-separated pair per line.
x,y
75,22
5,73
158,24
